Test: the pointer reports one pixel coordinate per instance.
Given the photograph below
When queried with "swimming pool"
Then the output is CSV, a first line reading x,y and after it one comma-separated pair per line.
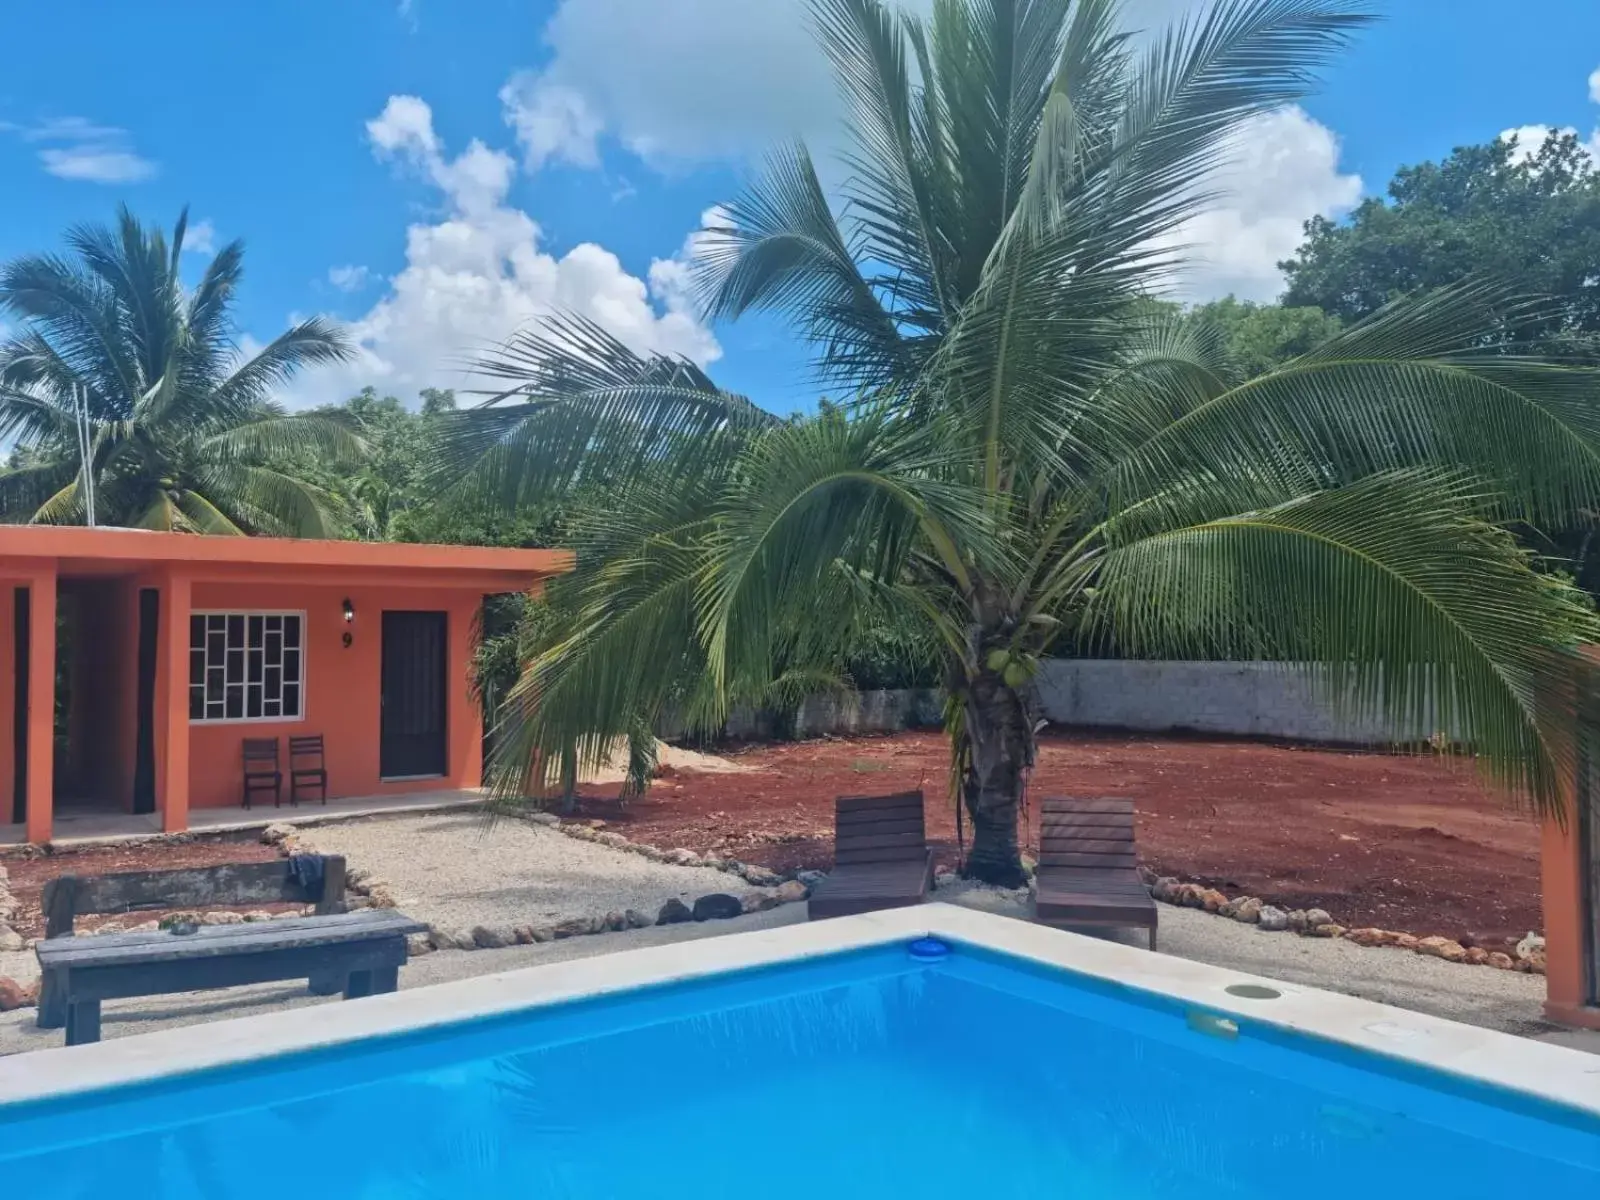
x,y
815,1060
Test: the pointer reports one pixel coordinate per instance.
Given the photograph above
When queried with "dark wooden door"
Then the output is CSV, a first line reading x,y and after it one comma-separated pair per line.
x,y
144,747
411,739
22,645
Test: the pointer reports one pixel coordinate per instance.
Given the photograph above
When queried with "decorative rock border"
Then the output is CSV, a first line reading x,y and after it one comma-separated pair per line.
x,y
770,890
1316,922
10,939
13,994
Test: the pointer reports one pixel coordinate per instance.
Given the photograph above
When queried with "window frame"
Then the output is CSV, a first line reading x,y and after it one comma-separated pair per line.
x,y
247,613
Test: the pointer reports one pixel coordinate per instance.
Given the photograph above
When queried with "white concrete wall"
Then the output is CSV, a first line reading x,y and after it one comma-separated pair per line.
x,y
886,711
1256,699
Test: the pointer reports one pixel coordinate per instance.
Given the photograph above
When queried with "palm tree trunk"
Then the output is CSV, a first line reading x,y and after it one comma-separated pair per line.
x,y
1000,737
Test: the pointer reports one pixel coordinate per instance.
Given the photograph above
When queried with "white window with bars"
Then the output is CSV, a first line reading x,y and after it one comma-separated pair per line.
x,y
246,666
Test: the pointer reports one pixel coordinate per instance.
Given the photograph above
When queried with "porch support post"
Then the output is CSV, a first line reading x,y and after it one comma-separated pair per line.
x,y
41,702
173,703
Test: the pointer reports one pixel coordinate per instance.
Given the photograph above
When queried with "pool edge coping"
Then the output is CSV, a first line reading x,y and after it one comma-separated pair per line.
x,y
1556,1074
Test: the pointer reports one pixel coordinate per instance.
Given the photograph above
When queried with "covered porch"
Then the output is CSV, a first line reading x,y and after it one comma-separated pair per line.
x,y
88,827
136,664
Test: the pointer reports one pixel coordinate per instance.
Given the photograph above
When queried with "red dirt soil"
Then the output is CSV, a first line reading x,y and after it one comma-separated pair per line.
x,y
30,871
1409,843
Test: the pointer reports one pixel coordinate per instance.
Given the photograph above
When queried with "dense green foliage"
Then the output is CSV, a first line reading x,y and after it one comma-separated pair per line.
x,y
1531,220
1255,338
184,435
1032,457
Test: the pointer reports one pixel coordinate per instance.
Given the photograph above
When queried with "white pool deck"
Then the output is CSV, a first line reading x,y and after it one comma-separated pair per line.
x,y
1553,1073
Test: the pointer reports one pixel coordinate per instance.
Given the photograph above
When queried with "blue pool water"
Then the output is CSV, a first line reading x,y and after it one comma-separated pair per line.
x,y
868,1075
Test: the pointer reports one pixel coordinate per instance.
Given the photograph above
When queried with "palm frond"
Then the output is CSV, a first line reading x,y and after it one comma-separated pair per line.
x,y
316,341
77,315
330,437
1422,614
26,491
779,249
1188,93
289,506
890,185
1404,388
577,401
860,492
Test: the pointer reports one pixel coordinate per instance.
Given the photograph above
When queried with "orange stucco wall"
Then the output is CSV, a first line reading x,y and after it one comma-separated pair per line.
x,y
341,691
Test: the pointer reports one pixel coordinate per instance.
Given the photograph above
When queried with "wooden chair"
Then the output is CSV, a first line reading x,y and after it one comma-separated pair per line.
x,y
261,773
880,856
1088,872
314,773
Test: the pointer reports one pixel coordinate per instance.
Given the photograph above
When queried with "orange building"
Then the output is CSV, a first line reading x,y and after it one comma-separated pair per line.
x,y
174,648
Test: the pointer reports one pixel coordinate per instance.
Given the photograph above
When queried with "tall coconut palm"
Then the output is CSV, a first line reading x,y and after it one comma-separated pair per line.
x,y
1031,461
184,435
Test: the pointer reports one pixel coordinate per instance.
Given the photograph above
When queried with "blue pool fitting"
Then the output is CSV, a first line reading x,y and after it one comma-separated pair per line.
x,y
929,949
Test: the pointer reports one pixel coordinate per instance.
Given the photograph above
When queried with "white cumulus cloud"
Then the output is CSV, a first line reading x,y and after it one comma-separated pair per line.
x,y
1281,170
200,237
1531,137
478,273
694,79
689,80
349,278
551,120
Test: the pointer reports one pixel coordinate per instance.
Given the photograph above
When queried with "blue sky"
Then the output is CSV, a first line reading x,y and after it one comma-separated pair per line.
x,y
438,173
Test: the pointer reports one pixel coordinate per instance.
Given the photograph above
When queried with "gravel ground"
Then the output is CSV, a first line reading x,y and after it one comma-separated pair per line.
x,y
510,873
1496,999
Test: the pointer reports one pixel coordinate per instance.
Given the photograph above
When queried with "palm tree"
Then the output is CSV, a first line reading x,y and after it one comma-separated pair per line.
x,y
184,436
1034,460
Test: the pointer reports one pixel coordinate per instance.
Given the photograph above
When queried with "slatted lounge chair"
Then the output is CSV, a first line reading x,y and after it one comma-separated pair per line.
x,y
881,857
1088,876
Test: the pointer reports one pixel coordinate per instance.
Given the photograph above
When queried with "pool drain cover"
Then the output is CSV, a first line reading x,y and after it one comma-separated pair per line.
x,y
1252,991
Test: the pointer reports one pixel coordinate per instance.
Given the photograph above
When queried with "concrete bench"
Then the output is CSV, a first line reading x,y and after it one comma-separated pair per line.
x,y
366,949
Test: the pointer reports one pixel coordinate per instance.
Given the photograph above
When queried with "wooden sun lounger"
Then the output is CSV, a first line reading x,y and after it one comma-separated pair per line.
x,y
1087,875
881,857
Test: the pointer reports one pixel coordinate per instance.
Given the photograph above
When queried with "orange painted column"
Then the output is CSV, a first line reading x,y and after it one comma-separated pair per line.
x,y
41,703
174,703
1568,996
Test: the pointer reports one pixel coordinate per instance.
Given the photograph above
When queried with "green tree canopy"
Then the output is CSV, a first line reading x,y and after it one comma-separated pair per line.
x,y
183,434
1030,458
1526,215
1258,337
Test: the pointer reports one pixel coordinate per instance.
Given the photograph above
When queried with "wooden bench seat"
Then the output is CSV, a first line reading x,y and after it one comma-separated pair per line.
x,y
880,857
1088,873
365,949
